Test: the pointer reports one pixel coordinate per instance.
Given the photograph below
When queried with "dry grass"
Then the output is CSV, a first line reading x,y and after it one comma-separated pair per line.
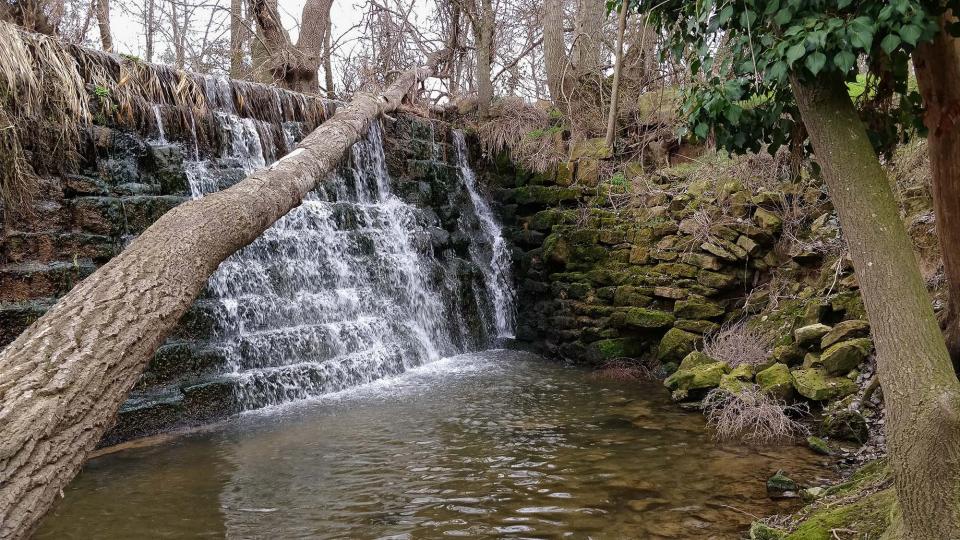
x,y
526,131
911,165
625,370
737,344
752,417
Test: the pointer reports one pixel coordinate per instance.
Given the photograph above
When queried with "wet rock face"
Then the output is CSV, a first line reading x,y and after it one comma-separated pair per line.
x,y
661,273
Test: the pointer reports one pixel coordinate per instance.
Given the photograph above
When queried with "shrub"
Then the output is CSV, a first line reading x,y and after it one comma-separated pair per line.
x,y
752,417
738,344
624,370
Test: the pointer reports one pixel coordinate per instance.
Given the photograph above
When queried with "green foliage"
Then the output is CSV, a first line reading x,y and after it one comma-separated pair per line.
x,y
743,53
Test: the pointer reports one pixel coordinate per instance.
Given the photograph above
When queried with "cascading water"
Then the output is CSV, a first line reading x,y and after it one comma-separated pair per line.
x,y
343,290
492,254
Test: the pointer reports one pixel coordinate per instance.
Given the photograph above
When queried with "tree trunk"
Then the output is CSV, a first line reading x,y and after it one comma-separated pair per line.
x,y
103,20
296,67
237,34
484,35
63,380
554,50
618,66
921,391
328,61
586,53
937,65
149,25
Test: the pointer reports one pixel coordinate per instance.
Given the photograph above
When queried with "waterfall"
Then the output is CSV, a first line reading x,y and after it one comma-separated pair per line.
x,y
344,290
492,253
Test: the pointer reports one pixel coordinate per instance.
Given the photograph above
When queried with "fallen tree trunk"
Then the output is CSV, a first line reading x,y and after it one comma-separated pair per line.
x,y
63,380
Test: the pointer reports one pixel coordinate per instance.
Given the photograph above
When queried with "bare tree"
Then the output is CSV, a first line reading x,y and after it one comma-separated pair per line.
x,y
103,21
295,66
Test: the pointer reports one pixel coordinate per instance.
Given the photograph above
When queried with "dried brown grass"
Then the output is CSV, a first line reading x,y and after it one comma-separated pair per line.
x,y
626,370
753,417
526,131
738,343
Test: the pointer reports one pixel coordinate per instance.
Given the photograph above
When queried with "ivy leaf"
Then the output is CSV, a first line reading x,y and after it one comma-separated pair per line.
x,y
795,53
816,61
733,113
910,33
844,60
783,16
778,70
725,14
843,3
890,43
701,130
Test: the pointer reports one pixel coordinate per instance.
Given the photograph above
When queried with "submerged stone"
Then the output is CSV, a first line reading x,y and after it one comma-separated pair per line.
x,y
781,486
818,445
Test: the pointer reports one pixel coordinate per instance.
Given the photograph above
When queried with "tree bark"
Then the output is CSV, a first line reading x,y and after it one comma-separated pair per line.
x,y
484,37
921,391
617,68
937,65
296,67
149,26
237,35
554,50
63,380
586,53
103,20
328,61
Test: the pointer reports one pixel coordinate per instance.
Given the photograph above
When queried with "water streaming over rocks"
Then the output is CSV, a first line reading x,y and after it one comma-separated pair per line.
x,y
348,288
493,253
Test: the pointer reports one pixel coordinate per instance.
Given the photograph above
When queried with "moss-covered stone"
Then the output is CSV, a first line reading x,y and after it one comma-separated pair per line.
x,y
676,344
696,326
609,349
781,486
768,221
762,531
716,280
818,445
845,425
596,148
697,307
699,377
790,355
854,328
647,318
694,359
817,385
733,385
776,381
811,334
840,358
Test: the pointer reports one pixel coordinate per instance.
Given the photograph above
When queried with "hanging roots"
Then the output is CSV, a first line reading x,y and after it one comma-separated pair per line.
x,y
50,91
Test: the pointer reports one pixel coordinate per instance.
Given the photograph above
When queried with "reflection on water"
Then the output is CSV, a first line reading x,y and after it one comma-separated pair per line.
x,y
496,444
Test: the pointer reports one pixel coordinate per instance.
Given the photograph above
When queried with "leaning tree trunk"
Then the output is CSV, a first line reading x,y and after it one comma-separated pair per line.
x,y
63,380
937,65
921,392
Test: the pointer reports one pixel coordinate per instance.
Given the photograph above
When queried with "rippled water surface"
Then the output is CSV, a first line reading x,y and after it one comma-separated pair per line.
x,y
496,444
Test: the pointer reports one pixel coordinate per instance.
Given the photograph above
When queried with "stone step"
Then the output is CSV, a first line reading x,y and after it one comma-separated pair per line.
x,y
15,317
20,282
46,247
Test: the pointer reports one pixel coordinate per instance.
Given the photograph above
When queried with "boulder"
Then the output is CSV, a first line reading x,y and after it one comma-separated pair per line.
x,y
733,384
818,445
694,359
676,344
609,349
776,381
846,355
744,372
699,327
791,355
697,378
697,307
781,486
846,330
768,221
591,148
811,334
845,425
817,385
648,318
